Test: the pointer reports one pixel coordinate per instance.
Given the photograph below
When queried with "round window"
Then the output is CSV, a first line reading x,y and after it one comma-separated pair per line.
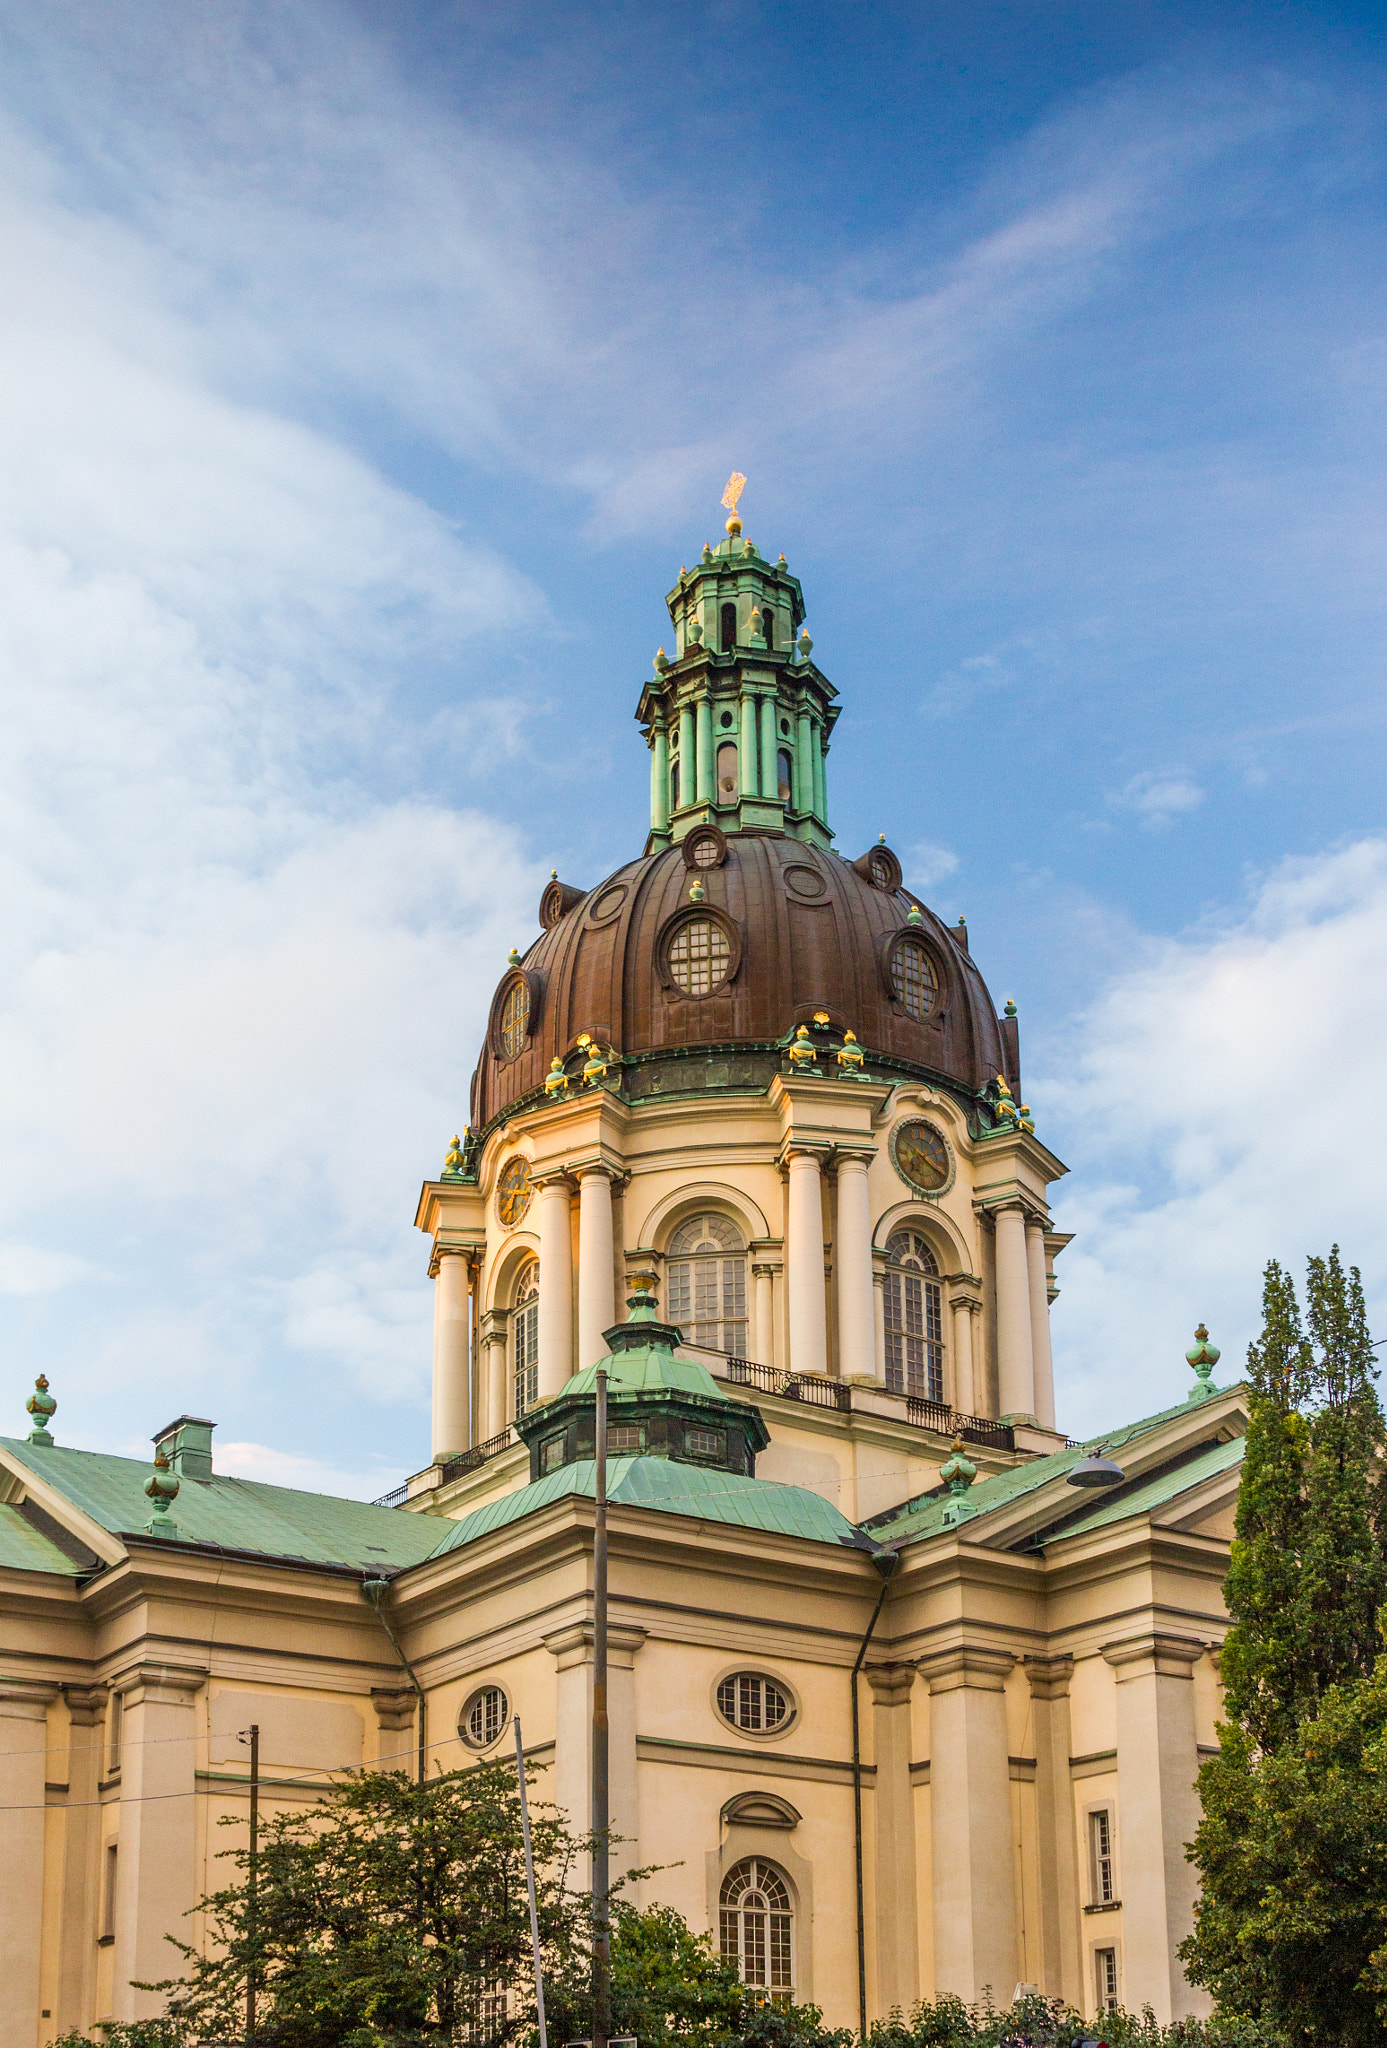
x,y
913,979
513,1191
699,956
754,1703
515,1019
484,1717
706,853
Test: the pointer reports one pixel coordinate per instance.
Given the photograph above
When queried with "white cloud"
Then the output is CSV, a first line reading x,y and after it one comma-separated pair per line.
x,y
927,864
1158,799
1221,1108
313,1475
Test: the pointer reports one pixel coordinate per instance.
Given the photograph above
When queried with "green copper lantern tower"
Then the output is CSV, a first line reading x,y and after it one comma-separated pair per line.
x,y
738,722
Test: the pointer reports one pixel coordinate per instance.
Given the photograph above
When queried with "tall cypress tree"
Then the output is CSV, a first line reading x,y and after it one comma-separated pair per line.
x,y
1343,1583
1267,1679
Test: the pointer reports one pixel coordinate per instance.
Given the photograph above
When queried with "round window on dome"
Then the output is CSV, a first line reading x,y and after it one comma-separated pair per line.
x,y
484,1717
699,956
515,1019
706,853
913,978
754,1704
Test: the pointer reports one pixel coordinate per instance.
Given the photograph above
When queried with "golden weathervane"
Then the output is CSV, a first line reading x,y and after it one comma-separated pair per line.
x,y
736,484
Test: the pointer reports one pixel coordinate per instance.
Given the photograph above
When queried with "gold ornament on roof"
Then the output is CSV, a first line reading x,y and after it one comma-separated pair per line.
x,y
736,484
802,1053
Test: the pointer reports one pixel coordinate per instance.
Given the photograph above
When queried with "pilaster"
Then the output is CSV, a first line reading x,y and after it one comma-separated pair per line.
x,y
24,1705
896,1912
156,1868
970,1822
1061,1971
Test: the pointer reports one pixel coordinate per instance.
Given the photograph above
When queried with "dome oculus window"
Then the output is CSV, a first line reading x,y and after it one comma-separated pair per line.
x,y
515,1019
705,853
484,1717
754,1703
699,956
513,1192
913,979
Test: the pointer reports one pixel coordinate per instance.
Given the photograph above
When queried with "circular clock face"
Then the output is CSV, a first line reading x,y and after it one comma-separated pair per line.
x,y
922,1157
513,1191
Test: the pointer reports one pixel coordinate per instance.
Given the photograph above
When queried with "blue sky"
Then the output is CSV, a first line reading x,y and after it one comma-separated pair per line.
x,y
365,375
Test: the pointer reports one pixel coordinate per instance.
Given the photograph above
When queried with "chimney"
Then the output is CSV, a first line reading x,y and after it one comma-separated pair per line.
x,y
187,1444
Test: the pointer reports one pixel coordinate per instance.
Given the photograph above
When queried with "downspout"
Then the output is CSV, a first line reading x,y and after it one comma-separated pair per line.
x,y
886,1562
375,1591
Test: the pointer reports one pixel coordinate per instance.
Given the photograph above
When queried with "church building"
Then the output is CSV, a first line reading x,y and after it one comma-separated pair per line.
x,y
908,1692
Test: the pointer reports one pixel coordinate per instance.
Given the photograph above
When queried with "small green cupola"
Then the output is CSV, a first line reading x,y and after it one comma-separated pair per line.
x,y
738,722
658,1406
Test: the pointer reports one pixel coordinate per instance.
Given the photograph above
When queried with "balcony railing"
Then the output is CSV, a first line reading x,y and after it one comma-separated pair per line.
x,y
818,1392
454,1468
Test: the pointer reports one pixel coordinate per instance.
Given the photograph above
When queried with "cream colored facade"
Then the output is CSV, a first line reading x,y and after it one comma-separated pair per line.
x,y
1036,1693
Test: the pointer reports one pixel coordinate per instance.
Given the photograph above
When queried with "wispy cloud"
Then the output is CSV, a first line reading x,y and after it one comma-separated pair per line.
x,y
1157,799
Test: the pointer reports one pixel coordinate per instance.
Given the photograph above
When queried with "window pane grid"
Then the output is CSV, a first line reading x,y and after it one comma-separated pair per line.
x,y
756,1928
525,1346
914,1306
515,1019
698,956
706,1288
912,977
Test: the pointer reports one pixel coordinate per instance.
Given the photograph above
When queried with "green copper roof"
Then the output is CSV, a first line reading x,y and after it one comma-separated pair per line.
x,y
672,1489
644,1368
23,1548
237,1514
924,1516
1157,1491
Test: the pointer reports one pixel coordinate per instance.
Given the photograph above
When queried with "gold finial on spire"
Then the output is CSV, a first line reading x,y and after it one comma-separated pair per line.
x,y
736,484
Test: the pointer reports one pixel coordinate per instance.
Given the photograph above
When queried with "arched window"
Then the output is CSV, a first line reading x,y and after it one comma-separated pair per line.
x,y
784,776
706,1291
913,979
727,772
756,1928
515,1019
768,624
729,628
525,1339
914,1318
699,956
674,786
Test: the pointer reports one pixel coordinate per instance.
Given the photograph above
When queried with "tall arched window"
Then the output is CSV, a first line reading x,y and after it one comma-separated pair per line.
x,y
729,628
727,772
674,786
756,1928
784,776
768,624
706,1294
525,1339
914,1318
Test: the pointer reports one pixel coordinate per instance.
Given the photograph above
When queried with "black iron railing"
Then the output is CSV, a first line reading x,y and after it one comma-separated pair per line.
x,y
818,1392
453,1468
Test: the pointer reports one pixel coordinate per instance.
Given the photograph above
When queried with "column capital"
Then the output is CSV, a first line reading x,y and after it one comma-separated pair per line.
x,y
1033,1212
86,1704
891,1684
977,1665
26,1699
1154,1654
573,1645
1048,1677
471,1254
161,1684
551,1179
394,1705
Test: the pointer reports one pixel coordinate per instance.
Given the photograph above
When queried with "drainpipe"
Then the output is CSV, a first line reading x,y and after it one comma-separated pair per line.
x,y
886,1562
375,1591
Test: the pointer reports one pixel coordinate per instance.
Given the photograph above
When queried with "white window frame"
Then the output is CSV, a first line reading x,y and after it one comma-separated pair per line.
x,y
1105,2000
734,1949
524,1340
1102,1813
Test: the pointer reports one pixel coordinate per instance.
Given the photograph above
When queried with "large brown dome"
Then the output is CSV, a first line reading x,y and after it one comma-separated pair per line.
x,y
783,930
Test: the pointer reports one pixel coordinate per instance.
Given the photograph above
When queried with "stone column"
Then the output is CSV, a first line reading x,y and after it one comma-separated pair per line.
x,y
1058,1885
970,1823
770,781
965,1381
596,1273
659,780
493,1372
24,1704
805,1267
748,782
763,1280
853,1258
816,756
822,763
879,1320
893,1812
705,748
156,1868
688,780
804,764
555,1287
571,1649
1015,1368
1038,1289
1157,1813
86,1709
451,1329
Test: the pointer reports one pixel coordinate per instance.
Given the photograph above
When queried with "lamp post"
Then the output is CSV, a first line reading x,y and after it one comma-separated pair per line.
x,y
601,1927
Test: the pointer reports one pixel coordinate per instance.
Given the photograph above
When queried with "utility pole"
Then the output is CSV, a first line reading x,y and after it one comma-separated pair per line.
x,y
530,1884
253,1873
601,1879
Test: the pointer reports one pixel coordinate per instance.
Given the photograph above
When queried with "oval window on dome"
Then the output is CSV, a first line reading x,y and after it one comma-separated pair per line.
x,y
515,1019
699,956
913,978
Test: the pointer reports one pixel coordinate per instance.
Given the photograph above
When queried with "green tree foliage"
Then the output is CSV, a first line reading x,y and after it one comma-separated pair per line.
x,y
385,1913
1036,2022
1288,1928
668,1985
